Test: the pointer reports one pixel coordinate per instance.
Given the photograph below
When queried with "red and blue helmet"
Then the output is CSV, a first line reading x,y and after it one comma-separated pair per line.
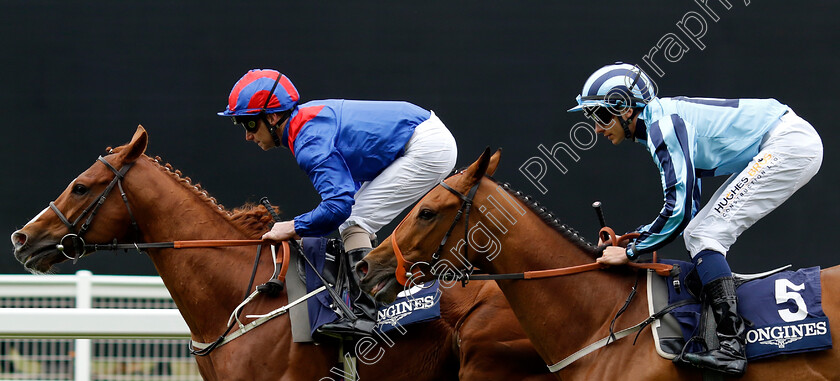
x,y
261,91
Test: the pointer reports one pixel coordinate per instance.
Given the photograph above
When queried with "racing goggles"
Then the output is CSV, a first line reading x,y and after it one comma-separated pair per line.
x,y
600,114
251,123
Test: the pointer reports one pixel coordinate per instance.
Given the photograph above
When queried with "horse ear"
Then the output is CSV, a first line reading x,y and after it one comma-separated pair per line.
x,y
137,146
494,162
477,170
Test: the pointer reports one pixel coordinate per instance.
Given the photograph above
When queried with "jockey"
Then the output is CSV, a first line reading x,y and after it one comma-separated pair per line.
x,y
368,160
768,151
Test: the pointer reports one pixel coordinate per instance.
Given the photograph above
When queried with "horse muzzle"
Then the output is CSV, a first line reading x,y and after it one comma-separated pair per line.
x,y
39,255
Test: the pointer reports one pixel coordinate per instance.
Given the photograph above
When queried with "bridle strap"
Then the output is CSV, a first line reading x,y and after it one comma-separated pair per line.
x,y
118,176
402,272
76,235
466,206
62,218
96,203
128,207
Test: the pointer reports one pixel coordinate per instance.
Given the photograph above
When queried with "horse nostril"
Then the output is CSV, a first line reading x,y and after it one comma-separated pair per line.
x,y
362,269
18,239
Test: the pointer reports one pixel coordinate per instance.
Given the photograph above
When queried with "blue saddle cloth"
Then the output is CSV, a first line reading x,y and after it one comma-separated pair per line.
x,y
784,313
418,305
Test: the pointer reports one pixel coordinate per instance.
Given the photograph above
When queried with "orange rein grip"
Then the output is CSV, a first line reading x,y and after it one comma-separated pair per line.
x,y
284,268
613,240
537,274
659,268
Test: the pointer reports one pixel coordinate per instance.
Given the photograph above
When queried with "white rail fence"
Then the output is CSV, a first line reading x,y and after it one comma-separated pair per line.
x,y
91,327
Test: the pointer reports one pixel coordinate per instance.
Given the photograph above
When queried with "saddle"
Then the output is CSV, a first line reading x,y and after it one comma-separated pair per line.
x,y
782,309
420,304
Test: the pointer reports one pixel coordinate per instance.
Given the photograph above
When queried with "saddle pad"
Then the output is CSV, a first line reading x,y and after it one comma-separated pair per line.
x,y
783,311
416,305
419,304
667,333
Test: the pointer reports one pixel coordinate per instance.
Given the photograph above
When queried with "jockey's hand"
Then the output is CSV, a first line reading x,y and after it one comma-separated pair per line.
x,y
614,256
281,231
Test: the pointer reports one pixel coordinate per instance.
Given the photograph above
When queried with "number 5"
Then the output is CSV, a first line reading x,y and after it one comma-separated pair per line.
x,y
782,296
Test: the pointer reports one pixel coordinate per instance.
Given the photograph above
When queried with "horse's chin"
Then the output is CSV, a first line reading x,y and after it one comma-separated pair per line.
x,y
389,288
41,259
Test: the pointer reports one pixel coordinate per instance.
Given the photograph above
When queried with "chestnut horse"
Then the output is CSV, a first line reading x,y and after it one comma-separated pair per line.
x,y
563,314
477,337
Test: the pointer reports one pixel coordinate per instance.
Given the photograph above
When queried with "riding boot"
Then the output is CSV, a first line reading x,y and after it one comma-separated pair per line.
x,y
363,305
731,331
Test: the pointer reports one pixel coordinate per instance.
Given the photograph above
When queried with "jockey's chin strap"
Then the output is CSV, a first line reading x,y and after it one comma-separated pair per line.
x,y
76,243
625,125
272,128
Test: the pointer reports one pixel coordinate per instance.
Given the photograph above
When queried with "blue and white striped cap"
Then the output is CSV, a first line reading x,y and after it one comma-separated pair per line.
x,y
616,85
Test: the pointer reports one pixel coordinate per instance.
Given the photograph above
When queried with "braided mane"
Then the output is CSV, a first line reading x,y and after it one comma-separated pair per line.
x,y
250,219
551,220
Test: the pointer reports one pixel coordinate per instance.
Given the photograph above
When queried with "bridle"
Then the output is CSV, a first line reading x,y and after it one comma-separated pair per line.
x,y
75,237
407,270
80,248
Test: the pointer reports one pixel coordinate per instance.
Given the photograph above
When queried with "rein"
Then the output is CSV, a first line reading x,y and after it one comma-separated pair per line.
x,y
404,276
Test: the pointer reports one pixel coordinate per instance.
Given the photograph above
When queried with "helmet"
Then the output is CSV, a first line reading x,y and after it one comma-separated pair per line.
x,y
618,85
261,91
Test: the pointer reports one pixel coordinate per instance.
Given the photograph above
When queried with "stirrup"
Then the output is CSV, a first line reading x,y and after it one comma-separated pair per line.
x,y
344,327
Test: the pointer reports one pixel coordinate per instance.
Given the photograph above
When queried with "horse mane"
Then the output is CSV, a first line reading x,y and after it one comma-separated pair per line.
x,y
250,219
552,220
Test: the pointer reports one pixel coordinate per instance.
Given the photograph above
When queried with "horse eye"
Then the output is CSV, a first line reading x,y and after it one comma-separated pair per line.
x,y
80,189
426,214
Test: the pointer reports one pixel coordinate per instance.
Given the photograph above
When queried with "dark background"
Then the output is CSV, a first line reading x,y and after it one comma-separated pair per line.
x,y
77,78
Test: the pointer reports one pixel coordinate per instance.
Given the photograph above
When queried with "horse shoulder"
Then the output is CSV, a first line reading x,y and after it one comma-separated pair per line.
x,y
492,343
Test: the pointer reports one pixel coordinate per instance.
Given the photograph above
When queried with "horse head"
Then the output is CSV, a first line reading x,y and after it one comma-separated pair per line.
x,y
416,247
84,211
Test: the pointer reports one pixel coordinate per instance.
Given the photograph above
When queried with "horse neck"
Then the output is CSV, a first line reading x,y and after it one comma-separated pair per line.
x,y
588,300
206,284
